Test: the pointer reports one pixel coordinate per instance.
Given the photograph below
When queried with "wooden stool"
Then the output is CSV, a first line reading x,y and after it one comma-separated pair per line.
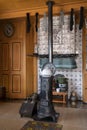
x,y
63,94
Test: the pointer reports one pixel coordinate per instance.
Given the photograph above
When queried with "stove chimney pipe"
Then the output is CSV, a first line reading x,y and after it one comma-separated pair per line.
x,y
50,31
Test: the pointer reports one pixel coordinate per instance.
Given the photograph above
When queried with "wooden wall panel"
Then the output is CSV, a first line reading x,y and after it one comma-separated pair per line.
x,y
16,56
84,65
30,38
29,59
85,94
29,75
85,77
35,73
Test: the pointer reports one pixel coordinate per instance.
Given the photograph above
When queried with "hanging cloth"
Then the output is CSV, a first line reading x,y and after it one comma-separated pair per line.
x,y
45,23
61,19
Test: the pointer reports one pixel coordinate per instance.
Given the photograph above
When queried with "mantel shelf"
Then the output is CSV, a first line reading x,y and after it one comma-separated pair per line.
x,y
56,55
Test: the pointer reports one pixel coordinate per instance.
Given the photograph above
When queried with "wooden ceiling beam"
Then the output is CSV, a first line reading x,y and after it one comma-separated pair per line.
x,y
41,10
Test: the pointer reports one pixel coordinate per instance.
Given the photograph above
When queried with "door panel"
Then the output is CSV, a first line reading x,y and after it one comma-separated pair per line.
x,y
16,56
1,64
13,72
5,56
16,83
6,82
17,70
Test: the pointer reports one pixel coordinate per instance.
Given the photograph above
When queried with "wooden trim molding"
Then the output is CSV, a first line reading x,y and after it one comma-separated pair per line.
x,y
56,9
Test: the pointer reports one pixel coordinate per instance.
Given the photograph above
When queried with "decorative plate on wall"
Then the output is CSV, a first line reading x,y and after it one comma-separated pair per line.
x,y
9,29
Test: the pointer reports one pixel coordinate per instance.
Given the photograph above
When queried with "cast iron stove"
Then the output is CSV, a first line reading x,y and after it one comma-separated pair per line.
x,y
45,110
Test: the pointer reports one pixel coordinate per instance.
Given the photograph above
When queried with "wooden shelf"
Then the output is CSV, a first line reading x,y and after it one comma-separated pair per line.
x,y
56,55
63,94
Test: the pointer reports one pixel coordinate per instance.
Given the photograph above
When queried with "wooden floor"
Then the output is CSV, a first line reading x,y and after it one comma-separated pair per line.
x,y
72,118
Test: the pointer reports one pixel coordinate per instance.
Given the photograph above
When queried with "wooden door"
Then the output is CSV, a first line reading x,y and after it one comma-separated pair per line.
x,y
4,54
13,59
13,68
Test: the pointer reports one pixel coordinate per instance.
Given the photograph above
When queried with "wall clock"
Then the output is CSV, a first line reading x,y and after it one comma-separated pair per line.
x,y
8,29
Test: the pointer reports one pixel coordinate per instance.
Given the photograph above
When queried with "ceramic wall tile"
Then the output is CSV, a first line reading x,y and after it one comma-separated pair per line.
x,y
61,36
64,42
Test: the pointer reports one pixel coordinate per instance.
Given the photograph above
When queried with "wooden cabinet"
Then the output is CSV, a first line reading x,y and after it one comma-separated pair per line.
x,y
64,96
12,60
12,68
18,70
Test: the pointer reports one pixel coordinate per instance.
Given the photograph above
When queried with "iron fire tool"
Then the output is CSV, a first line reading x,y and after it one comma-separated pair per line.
x,y
35,33
28,24
81,18
36,26
71,19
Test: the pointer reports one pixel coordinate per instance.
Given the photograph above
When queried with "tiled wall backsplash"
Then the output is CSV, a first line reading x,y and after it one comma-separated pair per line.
x,y
63,38
74,75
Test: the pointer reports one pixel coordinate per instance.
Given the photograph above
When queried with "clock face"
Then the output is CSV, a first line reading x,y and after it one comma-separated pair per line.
x,y
9,29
